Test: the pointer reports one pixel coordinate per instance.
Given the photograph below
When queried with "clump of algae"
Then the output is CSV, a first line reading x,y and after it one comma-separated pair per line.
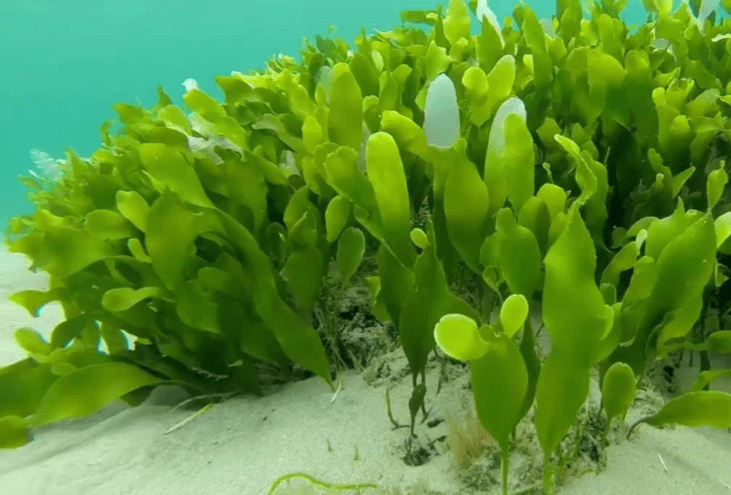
x,y
467,440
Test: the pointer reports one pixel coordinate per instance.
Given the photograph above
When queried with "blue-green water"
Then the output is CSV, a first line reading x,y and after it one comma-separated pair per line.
x,y
64,63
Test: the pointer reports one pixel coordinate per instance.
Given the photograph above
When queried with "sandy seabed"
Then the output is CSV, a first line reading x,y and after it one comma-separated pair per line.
x,y
242,446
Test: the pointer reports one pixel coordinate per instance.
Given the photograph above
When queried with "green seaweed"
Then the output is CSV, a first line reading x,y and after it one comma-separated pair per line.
x,y
573,170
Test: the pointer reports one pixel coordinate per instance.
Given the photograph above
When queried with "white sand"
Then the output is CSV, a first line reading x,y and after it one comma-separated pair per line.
x,y
242,446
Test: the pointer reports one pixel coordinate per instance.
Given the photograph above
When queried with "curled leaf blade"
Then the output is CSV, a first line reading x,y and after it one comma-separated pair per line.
x,y
124,298
170,168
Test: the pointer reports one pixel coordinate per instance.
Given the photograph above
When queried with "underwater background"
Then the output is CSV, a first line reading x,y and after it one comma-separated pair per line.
x,y
63,64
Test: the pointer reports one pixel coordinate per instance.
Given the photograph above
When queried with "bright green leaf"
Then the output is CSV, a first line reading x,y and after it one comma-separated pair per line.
x,y
519,255
107,225
456,22
195,309
407,134
720,342
134,207
14,432
497,153
346,111
204,105
386,173
32,342
425,305
34,300
172,228
577,319
304,270
717,180
347,180
623,260
519,161
419,238
554,197
466,205
499,377
702,408
618,390
458,336
513,313
170,168
87,390
336,216
351,248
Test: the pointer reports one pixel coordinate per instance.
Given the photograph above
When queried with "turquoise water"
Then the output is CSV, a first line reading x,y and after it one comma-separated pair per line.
x,y
63,64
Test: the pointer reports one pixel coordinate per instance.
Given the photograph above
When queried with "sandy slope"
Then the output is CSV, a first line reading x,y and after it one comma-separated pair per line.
x,y
242,446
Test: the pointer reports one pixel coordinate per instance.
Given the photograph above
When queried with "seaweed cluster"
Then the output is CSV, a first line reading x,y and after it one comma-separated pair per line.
x,y
572,167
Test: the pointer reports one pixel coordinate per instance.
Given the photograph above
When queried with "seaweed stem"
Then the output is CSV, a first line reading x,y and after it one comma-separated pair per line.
x,y
319,483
